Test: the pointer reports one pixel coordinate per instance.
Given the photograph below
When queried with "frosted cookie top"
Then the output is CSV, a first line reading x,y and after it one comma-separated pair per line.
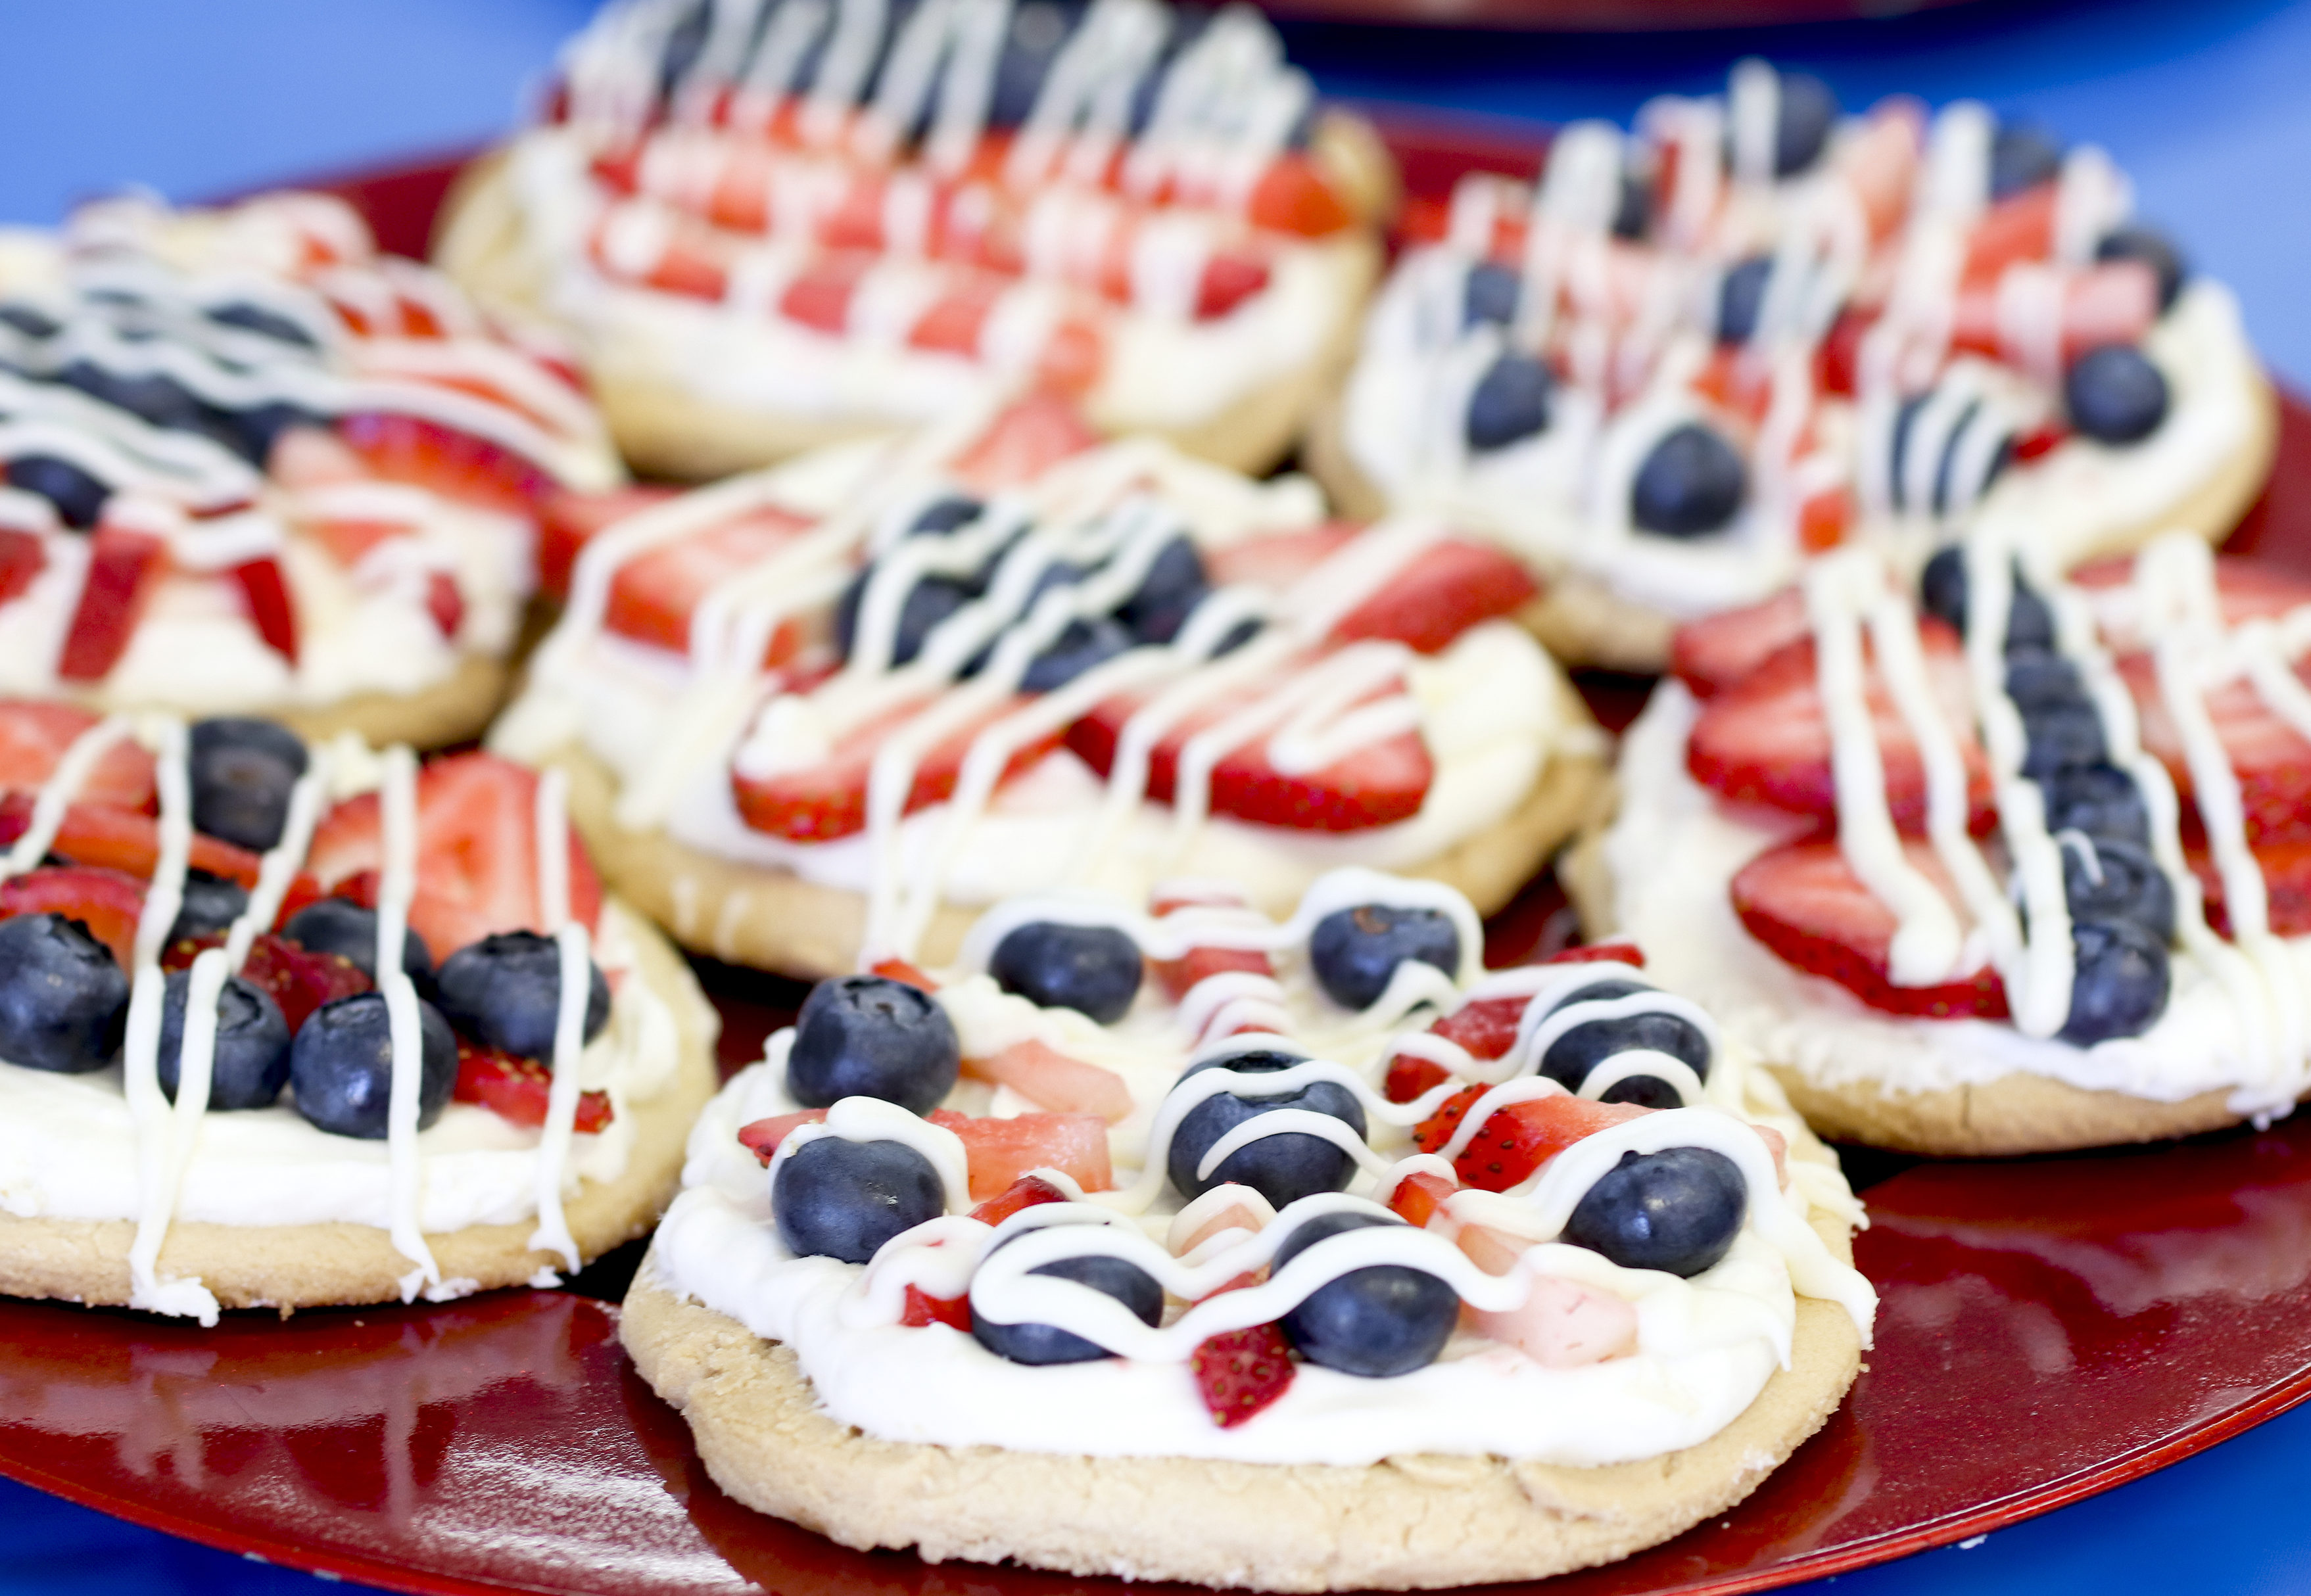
x,y
1369,1198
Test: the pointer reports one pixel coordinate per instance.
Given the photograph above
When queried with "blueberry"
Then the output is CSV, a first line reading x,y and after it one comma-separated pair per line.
x,y
2123,882
78,496
2120,987
1490,293
30,319
251,433
1676,1210
2100,801
2114,394
1691,483
1377,1321
1281,1168
685,42
1093,970
212,902
63,997
1038,30
2022,158
505,992
1740,295
2062,724
1356,951
341,926
932,601
1509,403
1177,582
2040,676
1583,1047
1125,1281
1080,646
154,397
1802,128
251,1061
1955,443
1635,207
242,770
870,1036
2154,249
255,318
943,515
837,1199
1942,591
341,1066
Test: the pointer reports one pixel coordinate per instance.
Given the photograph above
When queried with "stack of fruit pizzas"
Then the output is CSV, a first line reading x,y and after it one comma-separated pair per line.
x,y
1689,357
1179,1242
252,466
776,223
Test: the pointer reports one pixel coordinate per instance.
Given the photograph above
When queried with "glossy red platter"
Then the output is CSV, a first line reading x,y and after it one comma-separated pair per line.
x,y
2050,1329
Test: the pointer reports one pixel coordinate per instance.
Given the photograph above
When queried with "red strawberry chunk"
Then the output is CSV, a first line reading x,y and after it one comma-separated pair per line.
x,y
1803,901
1599,953
924,1310
1419,1198
1407,1078
1451,586
1028,1191
1000,1151
900,970
1181,975
1278,559
761,1136
299,980
1432,1132
829,799
2246,589
22,558
569,520
1712,654
1228,280
34,736
1024,442
122,567
107,901
443,461
2286,870
1293,195
445,602
1045,1076
115,838
1516,1140
265,592
654,595
1486,1028
518,1091
1241,1372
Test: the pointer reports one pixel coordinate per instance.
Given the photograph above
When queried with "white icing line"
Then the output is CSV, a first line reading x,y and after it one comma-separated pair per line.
x,y
396,883
78,763
550,829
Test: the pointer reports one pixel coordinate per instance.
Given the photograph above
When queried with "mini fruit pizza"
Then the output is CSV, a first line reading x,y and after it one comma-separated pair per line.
x,y
778,223
287,1024
2021,864
1182,1244
841,703
1689,357
248,465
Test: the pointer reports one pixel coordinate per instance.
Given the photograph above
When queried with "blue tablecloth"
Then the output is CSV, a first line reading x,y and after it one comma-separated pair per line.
x,y
2205,103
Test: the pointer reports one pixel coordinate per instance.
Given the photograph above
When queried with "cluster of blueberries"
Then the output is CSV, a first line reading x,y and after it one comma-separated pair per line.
x,y
864,1035
2122,904
64,997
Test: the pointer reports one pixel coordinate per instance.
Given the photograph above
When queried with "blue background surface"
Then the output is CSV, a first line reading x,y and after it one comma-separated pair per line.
x,y
2203,102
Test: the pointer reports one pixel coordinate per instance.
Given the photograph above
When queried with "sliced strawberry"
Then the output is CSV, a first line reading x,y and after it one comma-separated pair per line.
x,y
1420,1198
1803,901
115,838
1024,442
2269,756
22,558
829,799
1712,654
2020,227
265,592
107,901
902,971
2244,590
924,1310
1239,1372
1278,559
1071,359
443,461
1432,1132
1045,1076
654,595
1826,516
34,736
761,1136
957,318
1293,195
519,1091
569,520
1452,585
1181,975
1028,1191
1002,1150
1516,1140
1228,280
122,566
1408,1077
445,602
1486,1028
2286,870
299,979
820,297
1599,953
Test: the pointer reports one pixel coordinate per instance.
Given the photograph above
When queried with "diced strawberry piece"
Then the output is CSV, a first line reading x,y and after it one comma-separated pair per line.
x,y
900,970
1228,280
115,838
1824,518
1564,1324
107,901
1278,559
820,297
2113,302
307,457
829,799
1002,1150
351,541
924,1310
1048,1077
569,520
954,323
1803,901
1516,1140
1407,1078
444,602
22,558
1432,1132
1237,1215
1241,1372
1599,953
1838,361
1712,654
122,566
1494,1251
2020,227
265,593
1071,359
1181,975
1486,1028
443,461
1418,1198
2043,438
519,1091
34,736
1028,1191
299,980
1452,585
2286,870
654,595
1024,442
2244,590
1293,197
761,1136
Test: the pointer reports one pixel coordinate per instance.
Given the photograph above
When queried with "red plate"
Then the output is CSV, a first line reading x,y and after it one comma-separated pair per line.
x,y
2049,1330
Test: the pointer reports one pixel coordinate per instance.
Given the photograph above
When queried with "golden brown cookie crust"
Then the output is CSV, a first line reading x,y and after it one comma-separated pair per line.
x,y
306,1265
454,709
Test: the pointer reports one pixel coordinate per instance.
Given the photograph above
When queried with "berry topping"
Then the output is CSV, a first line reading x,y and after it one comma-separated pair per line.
x,y
79,497
2021,158
1093,970
929,602
2154,249
1582,1048
1241,1372
1045,1076
1676,1210
1126,1282
944,515
1509,402
105,836
870,1036
298,981
1942,591
341,1066
1356,951
1691,483
1378,1321
1740,295
828,800
1714,653
1181,975
844,1200
242,770
1518,1139
1282,1168
2106,879
106,904
923,1310
251,1062
1177,582
64,998
2061,722
1490,293
1454,585
520,1091
1001,1151
34,736
1807,111
1028,1191
1080,646
2120,987
505,991
1634,209
1599,953
2114,394
211,904
341,926
2099,800
1419,1198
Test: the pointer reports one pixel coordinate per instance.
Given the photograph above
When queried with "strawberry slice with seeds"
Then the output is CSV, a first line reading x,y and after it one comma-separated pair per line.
x,y
122,567
107,901
111,838
2269,756
1407,1078
1028,1191
654,595
1486,1028
33,736
1803,901
569,520
829,799
441,460
2246,589
1001,1151
1448,588
1516,1140
519,1091
2286,870
300,980
1240,1373
761,1136
1712,654
924,1310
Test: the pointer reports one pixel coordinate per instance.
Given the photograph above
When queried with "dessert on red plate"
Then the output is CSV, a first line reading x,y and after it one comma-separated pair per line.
x,y
1693,356
250,464
772,225
840,703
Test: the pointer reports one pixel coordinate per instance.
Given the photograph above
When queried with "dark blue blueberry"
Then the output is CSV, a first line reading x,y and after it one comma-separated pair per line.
x,y
505,992
1676,1210
1239,635
1080,646
1177,582
1093,970
1808,110
1635,208
1377,1321
1126,1282
152,396
1897,445
78,496
2120,987
683,42
2153,248
1955,443
1582,1048
837,1199
1942,591
1039,29
1691,484
211,904
2022,158
2100,801
2062,724
242,770
1490,293
943,515
255,318
2114,394
1509,402
251,1062
341,926
870,1036
63,997
1356,951
251,433
2040,676
2123,882
1740,296
932,601
1281,1168
28,321
341,1066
